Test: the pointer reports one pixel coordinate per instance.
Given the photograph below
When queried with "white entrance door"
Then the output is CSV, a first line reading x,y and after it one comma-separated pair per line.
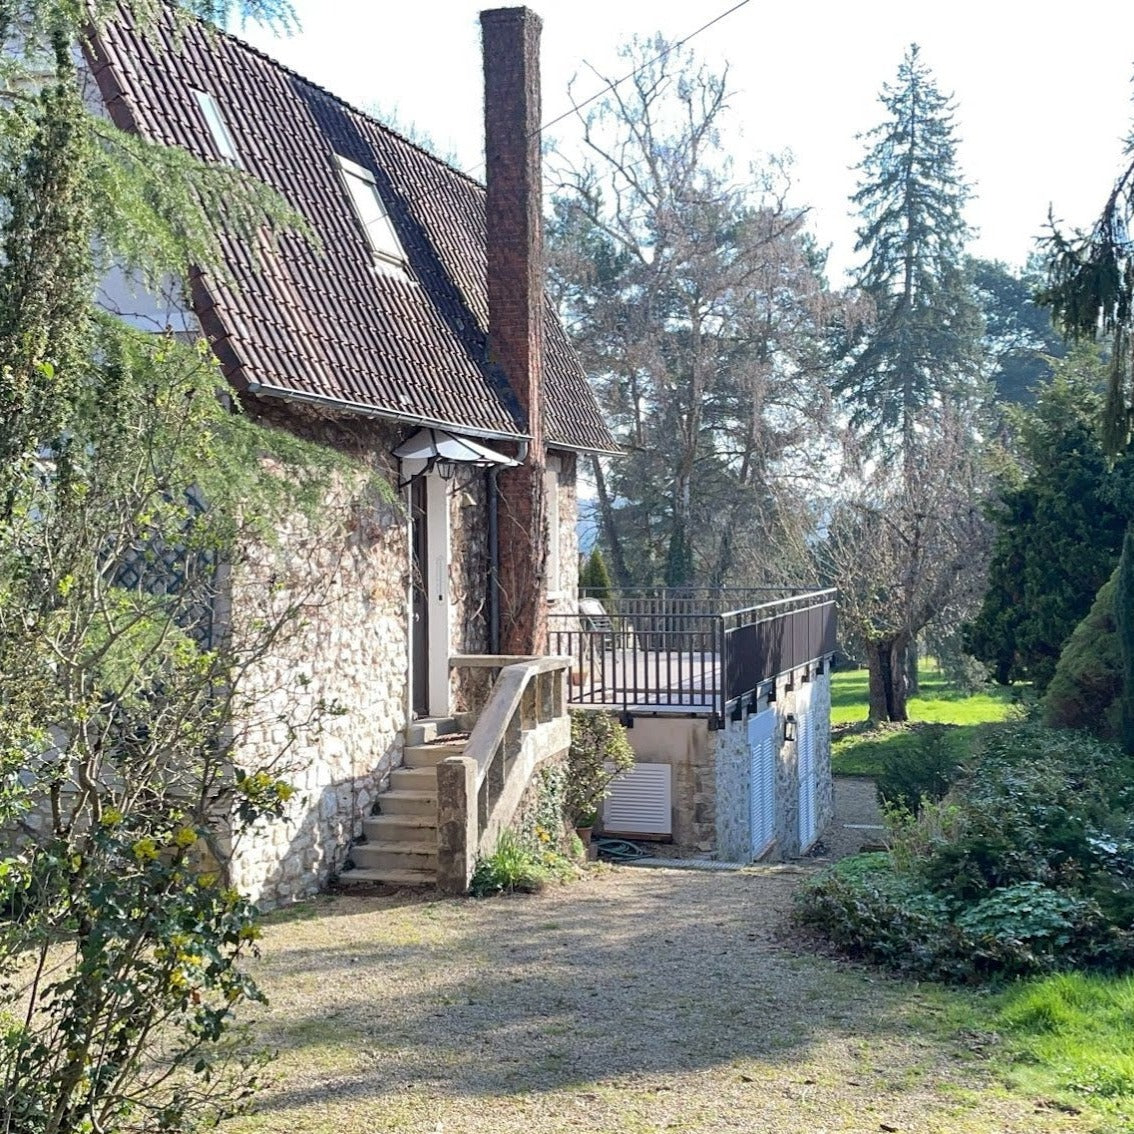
x,y
762,781
805,763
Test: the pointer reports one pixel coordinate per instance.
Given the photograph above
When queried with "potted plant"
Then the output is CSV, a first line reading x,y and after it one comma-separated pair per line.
x,y
599,752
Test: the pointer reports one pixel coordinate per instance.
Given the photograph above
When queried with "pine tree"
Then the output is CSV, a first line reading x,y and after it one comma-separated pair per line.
x,y
908,384
594,578
924,342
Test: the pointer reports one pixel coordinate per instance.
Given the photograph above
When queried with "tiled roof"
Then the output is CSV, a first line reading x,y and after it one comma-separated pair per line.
x,y
328,324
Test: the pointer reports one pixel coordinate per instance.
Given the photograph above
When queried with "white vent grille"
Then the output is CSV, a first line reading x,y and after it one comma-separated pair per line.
x,y
640,802
762,780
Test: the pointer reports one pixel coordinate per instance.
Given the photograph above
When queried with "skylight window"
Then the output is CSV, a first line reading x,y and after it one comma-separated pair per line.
x,y
218,128
372,213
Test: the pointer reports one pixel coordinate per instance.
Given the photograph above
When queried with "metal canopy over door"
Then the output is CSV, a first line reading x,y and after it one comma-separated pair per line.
x,y
805,764
762,781
419,614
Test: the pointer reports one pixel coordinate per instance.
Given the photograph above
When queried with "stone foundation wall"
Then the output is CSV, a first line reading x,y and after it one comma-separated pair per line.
x,y
821,714
787,767
711,772
734,779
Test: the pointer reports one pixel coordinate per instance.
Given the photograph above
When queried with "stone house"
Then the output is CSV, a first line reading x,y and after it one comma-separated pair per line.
x,y
413,335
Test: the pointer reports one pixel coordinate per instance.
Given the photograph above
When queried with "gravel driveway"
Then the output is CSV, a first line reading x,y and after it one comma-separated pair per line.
x,y
635,1000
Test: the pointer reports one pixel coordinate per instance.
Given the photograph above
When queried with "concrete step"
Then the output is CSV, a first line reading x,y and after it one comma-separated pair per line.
x,y
360,877
425,729
394,856
429,755
398,802
414,779
401,828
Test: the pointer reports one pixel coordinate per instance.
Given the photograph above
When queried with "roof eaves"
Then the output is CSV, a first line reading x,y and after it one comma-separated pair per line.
x,y
260,389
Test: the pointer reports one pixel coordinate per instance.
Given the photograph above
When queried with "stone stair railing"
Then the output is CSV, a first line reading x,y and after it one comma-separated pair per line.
x,y
523,723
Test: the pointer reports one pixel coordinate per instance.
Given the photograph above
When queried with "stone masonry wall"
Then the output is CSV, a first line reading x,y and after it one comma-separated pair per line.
x,y
821,714
468,584
787,773
733,835
567,584
734,774
327,704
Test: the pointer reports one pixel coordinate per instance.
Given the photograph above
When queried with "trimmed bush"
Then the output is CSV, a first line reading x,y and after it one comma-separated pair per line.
x,y
924,768
1086,691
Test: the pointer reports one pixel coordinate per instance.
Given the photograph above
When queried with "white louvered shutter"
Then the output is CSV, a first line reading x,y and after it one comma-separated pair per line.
x,y
805,761
762,781
640,802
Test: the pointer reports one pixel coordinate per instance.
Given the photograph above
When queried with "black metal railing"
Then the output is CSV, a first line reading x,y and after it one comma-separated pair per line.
x,y
645,651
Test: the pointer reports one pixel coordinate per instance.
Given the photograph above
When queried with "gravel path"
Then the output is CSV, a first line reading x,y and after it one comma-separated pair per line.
x,y
633,1001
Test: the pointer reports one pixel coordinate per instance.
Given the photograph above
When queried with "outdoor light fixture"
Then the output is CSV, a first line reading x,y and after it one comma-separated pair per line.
x,y
789,727
434,450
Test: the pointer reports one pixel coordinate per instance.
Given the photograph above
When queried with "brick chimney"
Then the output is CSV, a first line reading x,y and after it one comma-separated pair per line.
x,y
514,231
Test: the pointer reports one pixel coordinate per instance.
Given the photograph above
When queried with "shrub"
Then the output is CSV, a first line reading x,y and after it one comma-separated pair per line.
x,y
1085,692
599,752
509,868
925,768
1024,866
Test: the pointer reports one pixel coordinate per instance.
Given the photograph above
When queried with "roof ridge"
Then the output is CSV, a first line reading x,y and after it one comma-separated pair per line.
x,y
286,69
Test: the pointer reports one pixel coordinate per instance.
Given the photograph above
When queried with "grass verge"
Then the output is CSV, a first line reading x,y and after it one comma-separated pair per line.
x,y
1065,1040
859,750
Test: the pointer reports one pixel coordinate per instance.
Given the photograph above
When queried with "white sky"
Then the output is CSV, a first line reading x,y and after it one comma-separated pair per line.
x,y
1043,91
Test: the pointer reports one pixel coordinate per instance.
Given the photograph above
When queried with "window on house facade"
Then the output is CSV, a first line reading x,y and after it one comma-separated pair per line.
x,y
218,128
371,210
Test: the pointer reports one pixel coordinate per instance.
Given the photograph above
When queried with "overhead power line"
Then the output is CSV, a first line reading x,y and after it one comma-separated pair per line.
x,y
576,107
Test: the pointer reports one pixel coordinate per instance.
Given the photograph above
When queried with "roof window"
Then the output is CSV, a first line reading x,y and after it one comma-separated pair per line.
x,y
218,128
372,213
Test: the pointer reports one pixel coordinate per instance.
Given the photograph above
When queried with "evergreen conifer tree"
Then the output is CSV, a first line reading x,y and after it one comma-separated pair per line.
x,y
1059,529
925,339
594,578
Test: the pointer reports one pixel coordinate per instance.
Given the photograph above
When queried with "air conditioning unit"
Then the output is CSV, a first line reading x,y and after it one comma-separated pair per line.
x,y
640,803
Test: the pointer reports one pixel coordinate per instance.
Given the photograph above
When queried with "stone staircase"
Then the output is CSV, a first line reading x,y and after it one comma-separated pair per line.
x,y
399,843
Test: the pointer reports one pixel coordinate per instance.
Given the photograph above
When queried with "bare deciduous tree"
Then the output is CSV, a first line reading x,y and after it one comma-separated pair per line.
x,y
695,299
910,546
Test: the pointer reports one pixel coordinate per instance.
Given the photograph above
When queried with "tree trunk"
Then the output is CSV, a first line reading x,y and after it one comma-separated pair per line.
x,y
887,680
622,577
912,670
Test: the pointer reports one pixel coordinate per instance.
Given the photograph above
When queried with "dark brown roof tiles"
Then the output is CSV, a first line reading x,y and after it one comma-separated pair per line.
x,y
329,322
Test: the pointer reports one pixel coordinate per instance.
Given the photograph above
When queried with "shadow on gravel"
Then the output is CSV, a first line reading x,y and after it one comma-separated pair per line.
x,y
672,971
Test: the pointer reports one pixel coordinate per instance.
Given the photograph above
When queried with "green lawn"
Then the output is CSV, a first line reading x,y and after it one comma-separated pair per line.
x,y
858,751
1065,1040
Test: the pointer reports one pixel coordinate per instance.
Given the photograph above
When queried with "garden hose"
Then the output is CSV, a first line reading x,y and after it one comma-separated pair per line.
x,y
619,850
